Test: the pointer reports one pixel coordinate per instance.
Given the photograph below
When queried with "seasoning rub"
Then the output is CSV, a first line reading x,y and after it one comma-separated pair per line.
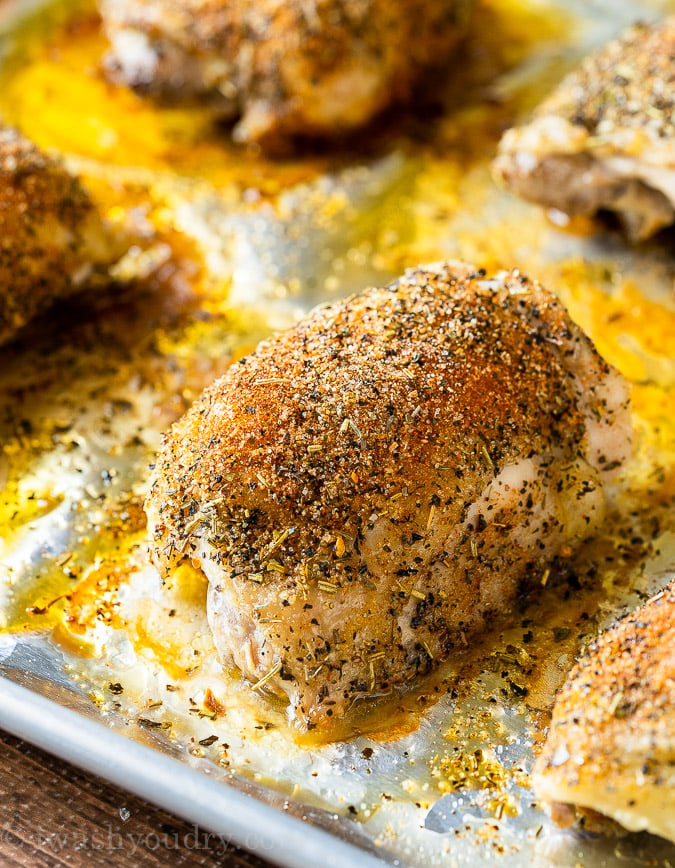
x,y
605,138
611,746
405,539
283,68
52,240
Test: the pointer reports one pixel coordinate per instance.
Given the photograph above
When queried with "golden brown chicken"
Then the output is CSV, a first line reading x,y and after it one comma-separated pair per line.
x,y
364,491
285,67
611,745
605,139
51,237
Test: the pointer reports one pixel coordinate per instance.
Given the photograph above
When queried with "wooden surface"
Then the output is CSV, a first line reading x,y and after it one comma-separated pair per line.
x,y
52,814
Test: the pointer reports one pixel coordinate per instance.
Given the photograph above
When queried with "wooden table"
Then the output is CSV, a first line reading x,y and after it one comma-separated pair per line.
x,y
52,814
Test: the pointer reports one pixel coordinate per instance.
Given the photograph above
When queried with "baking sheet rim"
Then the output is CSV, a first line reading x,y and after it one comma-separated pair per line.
x,y
164,781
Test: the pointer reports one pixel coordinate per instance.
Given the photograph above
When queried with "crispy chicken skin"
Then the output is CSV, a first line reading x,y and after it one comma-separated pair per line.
x,y
51,237
605,139
285,67
611,746
364,491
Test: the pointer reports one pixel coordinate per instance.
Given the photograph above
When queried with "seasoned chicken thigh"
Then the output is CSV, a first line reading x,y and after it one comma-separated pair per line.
x,y
364,491
286,67
51,237
611,745
605,139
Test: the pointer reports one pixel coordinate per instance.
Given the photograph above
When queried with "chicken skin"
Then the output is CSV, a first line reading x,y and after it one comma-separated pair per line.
x,y
284,67
605,139
364,491
51,236
611,745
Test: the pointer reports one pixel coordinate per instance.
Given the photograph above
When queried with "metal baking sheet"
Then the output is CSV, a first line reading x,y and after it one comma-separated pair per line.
x,y
226,248
234,817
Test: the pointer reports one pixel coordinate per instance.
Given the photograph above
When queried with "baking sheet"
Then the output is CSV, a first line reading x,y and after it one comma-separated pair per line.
x,y
227,248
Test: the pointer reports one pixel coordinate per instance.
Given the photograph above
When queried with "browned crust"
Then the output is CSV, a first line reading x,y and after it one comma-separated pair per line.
x,y
621,694
275,56
629,83
42,212
605,138
388,412
431,370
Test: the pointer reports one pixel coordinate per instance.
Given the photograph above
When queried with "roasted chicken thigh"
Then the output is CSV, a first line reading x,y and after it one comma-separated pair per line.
x,y
611,746
605,139
285,67
51,236
364,491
